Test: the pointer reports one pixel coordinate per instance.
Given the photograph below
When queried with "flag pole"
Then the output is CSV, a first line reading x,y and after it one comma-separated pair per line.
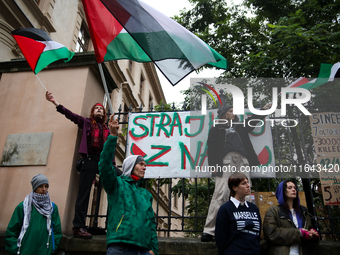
x,y
105,86
41,82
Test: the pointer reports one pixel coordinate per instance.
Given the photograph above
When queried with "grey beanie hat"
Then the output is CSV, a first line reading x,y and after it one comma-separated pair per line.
x,y
129,164
221,111
139,159
38,180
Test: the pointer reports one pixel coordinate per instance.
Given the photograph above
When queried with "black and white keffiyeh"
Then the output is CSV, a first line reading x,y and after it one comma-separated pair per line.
x,y
43,204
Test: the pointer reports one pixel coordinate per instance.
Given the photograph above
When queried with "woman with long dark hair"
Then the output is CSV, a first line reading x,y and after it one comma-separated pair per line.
x,y
287,227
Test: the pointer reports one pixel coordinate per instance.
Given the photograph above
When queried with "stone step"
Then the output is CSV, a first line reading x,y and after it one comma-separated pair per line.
x,y
167,246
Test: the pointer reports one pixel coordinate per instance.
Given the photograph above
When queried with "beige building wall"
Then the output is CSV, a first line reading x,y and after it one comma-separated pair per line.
x,y
62,19
24,109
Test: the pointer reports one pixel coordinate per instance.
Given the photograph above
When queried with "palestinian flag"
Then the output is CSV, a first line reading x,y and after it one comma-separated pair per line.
x,y
302,82
131,29
327,73
39,49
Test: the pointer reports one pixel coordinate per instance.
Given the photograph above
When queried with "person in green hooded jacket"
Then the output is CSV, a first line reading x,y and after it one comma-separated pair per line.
x,y
35,224
131,227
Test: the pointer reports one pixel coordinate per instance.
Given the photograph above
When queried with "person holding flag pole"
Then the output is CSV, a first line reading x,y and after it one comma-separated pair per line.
x,y
95,133
40,51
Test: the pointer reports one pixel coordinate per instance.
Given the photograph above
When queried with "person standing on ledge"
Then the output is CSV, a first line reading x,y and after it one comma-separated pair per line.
x,y
131,227
228,146
94,135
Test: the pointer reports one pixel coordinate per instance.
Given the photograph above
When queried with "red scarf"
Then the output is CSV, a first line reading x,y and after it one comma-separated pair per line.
x,y
136,178
95,133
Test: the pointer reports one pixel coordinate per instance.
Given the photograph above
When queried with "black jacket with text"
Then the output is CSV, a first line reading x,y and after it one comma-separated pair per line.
x,y
216,142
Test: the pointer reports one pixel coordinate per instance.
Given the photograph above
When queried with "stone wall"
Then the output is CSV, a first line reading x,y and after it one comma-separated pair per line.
x,y
167,246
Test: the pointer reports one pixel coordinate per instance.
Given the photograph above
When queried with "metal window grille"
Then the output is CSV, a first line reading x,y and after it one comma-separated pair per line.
x,y
326,218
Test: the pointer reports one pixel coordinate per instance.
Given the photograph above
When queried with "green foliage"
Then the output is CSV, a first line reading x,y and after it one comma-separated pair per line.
x,y
280,39
265,184
199,209
166,107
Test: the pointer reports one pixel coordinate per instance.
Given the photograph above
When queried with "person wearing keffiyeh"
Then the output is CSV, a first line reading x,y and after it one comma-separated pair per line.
x,y
35,224
94,135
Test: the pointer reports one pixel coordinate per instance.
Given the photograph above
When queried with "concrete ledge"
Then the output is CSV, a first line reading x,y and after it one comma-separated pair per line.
x,y
71,245
185,246
167,246
329,247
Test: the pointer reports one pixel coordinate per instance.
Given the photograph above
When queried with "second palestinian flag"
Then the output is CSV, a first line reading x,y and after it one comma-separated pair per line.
x,y
39,49
327,73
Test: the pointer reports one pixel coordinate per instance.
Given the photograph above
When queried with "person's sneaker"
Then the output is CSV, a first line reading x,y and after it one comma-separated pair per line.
x,y
207,237
81,233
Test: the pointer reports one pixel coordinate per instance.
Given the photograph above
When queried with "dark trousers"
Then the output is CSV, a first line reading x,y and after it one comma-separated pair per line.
x,y
87,175
126,249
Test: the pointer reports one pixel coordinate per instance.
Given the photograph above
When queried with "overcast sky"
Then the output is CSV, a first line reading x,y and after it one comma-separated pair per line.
x,y
172,93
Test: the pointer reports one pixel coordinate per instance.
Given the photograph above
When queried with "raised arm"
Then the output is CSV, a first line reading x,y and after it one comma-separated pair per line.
x,y
106,170
77,119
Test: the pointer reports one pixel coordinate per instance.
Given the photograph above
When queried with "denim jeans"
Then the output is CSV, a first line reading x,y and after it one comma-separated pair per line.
x,y
115,249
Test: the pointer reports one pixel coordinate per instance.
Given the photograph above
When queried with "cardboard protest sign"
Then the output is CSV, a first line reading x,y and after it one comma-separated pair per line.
x,y
328,169
331,194
326,133
325,127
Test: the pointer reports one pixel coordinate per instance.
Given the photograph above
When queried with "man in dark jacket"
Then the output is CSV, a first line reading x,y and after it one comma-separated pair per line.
x,y
229,149
131,225
95,133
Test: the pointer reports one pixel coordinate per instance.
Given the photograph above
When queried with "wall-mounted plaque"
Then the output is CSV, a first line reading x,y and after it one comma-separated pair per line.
x,y
26,149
